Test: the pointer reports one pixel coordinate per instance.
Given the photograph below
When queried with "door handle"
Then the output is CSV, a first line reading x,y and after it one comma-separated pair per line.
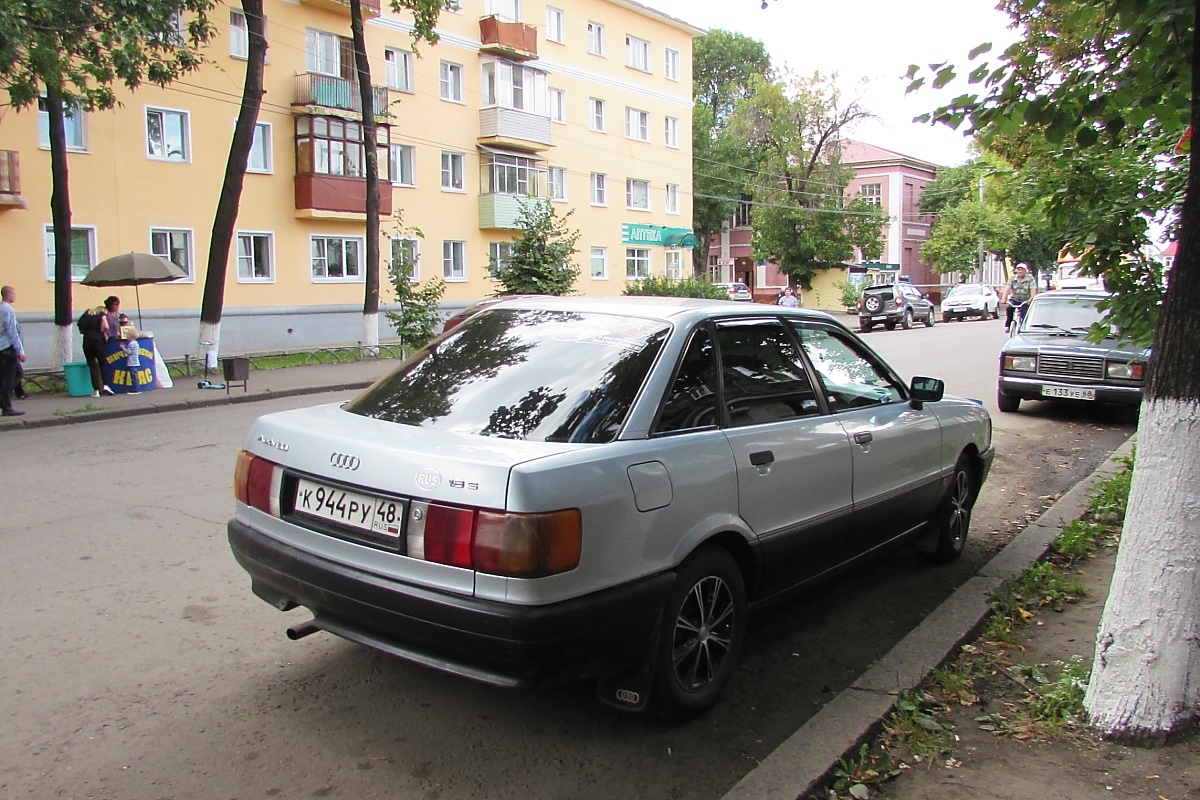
x,y
762,458
863,437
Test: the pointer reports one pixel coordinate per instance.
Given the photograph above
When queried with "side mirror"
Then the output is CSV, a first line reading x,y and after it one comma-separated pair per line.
x,y
925,390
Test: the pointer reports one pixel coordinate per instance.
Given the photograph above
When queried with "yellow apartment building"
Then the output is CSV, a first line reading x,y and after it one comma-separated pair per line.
x,y
585,102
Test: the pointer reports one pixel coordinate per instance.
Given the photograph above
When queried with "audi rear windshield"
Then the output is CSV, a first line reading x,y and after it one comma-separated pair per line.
x,y
537,375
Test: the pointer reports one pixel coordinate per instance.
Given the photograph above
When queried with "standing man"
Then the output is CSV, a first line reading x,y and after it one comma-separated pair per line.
x,y
1020,289
12,352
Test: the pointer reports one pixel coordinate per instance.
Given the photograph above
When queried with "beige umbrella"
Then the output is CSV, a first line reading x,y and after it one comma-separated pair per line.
x,y
133,269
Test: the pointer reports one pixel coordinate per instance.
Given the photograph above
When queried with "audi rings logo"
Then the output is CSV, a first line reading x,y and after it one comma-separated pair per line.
x,y
343,461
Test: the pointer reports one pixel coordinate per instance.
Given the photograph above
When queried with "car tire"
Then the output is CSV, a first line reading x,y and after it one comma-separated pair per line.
x,y
873,304
907,321
865,327
929,319
702,634
952,520
890,325
1007,402
946,317
996,312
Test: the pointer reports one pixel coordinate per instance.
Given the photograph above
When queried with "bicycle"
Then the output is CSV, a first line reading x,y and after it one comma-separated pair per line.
x,y
1017,318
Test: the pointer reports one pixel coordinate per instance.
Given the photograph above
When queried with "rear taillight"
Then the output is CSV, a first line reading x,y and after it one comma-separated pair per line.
x,y
448,533
256,482
510,545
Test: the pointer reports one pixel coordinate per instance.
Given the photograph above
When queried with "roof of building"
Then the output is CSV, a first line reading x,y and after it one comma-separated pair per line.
x,y
662,17
861,153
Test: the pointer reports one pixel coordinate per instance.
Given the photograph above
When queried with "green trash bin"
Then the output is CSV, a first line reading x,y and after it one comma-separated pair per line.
x,y
79,379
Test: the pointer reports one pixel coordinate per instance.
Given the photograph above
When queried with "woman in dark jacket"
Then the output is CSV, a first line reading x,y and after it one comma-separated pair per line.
x,y
98,325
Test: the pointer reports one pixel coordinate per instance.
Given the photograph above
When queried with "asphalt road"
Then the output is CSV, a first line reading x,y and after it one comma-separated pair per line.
x,y
137,664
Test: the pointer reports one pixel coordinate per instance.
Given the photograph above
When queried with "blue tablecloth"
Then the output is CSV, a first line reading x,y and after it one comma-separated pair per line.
x,y
123,378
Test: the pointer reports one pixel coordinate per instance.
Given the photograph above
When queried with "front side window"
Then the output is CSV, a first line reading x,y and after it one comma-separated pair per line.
x,y
255,257
454,261
406,256
637,124
852,379
637,53
239,34
539,376
336,258
671,132
763,374
399,66
671,64
452,85
637,194
558,183
402,165
555,29
452,172
596,118
599,258
259,159
83,252
595,38
167,135
175,245
672,198
74,119
599,189
637,263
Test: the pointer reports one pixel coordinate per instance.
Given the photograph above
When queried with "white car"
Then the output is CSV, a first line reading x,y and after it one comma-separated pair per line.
x,y
971,300
737,291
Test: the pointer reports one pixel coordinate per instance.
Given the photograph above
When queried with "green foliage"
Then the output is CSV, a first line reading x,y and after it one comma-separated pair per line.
x,y
1079,538
1111,498
867,769
1057,700
661,286
850,292
540,260
419,318
913,727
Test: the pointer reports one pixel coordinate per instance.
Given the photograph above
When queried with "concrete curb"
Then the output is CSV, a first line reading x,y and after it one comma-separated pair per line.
x,y
801,765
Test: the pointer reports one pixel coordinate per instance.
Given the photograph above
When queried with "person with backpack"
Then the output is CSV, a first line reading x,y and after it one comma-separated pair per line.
x,y
98,325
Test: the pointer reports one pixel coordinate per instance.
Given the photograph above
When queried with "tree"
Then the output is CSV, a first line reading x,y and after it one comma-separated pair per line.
x,y
1109,85
419,317
539,259
722,65
802,219
76,54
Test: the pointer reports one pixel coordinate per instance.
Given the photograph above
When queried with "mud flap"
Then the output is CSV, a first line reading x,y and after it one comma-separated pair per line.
x,y
631,690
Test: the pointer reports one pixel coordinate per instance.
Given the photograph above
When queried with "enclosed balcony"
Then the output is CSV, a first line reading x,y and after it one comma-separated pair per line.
x,y
331,168
507,181
10,180
370,8
318,92
514,40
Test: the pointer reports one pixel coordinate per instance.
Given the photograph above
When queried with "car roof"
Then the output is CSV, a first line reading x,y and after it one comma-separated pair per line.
x,y
1091,294
672,309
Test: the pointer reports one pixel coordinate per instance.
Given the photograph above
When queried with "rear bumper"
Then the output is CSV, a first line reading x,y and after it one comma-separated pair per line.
x,y
1031,389
502,644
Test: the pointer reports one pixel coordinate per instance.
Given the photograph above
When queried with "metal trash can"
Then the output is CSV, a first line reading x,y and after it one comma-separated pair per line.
x,y
236,369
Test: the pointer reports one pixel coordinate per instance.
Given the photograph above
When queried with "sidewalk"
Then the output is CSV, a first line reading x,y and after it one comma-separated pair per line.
x,y
42,409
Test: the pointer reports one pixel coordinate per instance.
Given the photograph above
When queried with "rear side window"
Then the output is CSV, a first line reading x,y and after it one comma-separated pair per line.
x,y
763,375
692,400
554,376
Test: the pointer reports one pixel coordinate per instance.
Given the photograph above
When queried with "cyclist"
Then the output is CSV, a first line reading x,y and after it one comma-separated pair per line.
x,y
1019,290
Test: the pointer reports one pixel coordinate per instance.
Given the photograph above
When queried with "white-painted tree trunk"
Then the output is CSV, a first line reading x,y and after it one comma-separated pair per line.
x,y
209,349
369,341
1145,681
64,344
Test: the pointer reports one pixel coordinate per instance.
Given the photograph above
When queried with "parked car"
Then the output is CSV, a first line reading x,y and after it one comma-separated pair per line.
x,y
1050,357
737,291
569,488
889,303
971,300
462,316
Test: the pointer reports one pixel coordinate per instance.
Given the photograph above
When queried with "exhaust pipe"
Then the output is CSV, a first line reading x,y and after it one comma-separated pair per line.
x,y
303,629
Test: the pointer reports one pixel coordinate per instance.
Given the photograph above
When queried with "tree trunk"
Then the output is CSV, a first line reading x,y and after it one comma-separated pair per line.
x,y
60,216
225,219
1145,683
371,157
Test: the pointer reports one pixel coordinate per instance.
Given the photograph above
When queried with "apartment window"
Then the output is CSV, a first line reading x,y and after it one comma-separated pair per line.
x,y
558,105
406,256
325,53
741,214
507,10
637,124
452,85
73,123
599,189
637,194
555,29
239,34
596,117
672,198
671,131
671,64
454,261
333,146
255,257
637,53
673,264
402,165
452,172
399,67
83,251
175,33
167,135
175,245
511,85
259,159
512,175
336,258
637,263
872,193
557,183
499,257
595,38
599,263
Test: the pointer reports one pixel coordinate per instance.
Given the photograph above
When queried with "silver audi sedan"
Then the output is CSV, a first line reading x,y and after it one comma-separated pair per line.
x,y
570,488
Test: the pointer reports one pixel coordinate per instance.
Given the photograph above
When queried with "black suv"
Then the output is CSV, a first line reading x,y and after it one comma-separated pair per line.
x,y
890,303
